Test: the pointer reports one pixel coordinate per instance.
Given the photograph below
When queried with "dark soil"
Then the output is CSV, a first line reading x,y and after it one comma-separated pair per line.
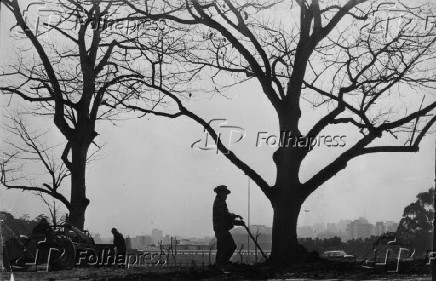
x,y
316,271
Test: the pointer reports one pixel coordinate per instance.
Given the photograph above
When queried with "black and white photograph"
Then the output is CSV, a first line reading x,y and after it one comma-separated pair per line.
x,y
217,140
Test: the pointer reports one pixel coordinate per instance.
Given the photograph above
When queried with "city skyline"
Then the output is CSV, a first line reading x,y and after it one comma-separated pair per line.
x,y
348,229
150,229
319,229
344,229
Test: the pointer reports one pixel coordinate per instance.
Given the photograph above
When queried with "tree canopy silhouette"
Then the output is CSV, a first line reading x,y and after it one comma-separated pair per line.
x,y
67,65
416,226
368,66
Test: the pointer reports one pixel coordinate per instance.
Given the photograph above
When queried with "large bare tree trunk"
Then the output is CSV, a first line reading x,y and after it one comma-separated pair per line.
x,y
285,248
287,197
79,202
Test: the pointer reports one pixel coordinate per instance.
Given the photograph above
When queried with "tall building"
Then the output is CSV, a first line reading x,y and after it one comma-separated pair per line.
x,y
342,226
156,236
140,242
380,228
360,228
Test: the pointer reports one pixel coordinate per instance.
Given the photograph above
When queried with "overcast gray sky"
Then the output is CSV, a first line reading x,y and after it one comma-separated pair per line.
x,y
148,176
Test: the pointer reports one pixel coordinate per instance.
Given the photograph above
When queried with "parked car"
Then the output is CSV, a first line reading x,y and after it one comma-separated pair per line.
x,y
338,255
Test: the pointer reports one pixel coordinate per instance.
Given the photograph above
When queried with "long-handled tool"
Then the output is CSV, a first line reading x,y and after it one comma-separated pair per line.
x,y
242,223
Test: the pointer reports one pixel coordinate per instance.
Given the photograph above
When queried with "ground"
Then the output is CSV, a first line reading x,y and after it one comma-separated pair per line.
x,y
240,272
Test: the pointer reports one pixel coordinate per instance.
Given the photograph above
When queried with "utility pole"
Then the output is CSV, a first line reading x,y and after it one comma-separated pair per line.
x,y
433,275
248,235
0,23
1,238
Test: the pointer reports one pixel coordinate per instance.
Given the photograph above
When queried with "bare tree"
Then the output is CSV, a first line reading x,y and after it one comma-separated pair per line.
x,y
29,164
339,57
67,64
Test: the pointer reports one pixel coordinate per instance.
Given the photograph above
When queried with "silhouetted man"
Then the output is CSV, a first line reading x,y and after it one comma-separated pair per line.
x,y
223,221
120,245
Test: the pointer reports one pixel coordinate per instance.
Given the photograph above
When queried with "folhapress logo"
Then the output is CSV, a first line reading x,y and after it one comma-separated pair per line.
x,y
227,134
389,253
390,18
41,16
38,16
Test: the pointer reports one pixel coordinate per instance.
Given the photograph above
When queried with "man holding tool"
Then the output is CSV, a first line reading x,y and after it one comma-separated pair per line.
x,y
223,222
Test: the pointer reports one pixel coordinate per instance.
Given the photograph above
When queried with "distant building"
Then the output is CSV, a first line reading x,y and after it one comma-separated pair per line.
x,y
156,236
360,228
342,226
141,242
97,238
373,230
166,239
305,232
347,229
380,228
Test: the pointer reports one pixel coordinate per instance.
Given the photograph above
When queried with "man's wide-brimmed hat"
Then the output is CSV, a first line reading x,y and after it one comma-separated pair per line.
x,y
221,189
